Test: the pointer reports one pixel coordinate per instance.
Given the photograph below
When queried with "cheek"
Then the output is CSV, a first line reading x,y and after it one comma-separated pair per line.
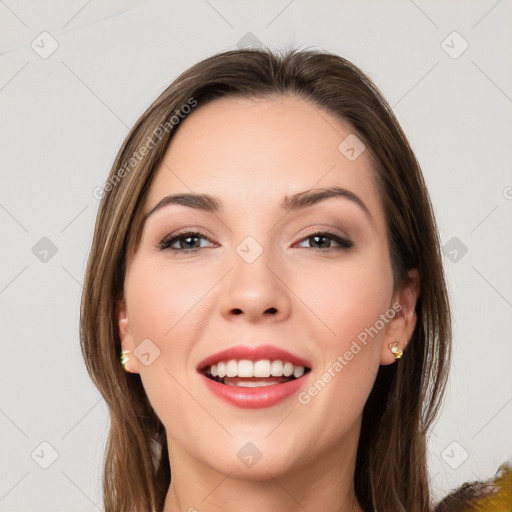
x,y
170,306
161,299
348,298
351,305
160,296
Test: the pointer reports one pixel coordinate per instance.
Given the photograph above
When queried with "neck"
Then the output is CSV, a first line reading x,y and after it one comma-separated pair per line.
x,y
325,484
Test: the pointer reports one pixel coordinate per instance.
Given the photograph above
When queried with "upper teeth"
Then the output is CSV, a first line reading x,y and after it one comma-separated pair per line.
x,y
262,368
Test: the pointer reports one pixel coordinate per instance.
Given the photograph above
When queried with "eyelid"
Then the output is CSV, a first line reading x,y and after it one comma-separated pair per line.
x,y
325,229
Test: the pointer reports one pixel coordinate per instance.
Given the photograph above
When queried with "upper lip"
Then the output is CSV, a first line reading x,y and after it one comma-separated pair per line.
x,y
253,353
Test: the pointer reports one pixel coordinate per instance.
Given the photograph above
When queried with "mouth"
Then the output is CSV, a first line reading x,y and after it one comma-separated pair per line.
x,y
253,374
254,377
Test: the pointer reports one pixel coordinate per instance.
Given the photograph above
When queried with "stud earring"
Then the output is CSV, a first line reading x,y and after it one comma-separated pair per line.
x,y
396,350
124,358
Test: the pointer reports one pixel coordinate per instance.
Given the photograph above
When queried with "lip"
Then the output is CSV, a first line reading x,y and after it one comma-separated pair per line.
x,y
255,398
255,353
258,397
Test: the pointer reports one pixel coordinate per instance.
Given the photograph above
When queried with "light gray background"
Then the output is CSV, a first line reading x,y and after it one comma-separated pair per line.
x,y
64,117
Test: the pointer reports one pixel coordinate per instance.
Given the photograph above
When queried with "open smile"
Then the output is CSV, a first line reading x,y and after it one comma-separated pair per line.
x,y
252,381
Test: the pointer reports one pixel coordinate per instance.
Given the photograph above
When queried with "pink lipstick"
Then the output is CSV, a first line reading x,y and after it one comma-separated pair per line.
x,y
254,377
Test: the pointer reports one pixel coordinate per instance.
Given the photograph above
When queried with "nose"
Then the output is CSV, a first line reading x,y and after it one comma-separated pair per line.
x,y
256,292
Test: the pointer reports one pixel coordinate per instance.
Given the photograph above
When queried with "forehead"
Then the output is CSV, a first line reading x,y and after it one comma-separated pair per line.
x,y
254,152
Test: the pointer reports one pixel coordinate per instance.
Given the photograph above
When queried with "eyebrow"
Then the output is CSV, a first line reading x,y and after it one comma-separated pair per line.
x,y
211,204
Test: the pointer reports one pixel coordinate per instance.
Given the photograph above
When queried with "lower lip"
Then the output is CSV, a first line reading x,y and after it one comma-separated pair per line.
x,y
254,398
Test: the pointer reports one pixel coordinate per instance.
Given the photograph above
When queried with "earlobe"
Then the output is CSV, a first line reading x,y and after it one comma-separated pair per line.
x,y
127,341
401,328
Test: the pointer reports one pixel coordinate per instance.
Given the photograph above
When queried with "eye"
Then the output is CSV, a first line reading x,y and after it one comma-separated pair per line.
x,y
323,240
187,241
190,241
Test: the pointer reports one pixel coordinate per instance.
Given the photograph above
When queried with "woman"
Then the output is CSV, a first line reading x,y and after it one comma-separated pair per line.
x,y
266,260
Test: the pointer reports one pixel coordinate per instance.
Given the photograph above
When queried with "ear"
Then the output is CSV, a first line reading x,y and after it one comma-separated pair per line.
x,y
401,327
126,337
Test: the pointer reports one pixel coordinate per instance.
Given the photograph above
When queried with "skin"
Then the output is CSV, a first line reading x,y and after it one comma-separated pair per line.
x,y
250,154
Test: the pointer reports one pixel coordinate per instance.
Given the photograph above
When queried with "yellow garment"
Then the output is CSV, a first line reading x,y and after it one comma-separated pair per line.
x,y
500,499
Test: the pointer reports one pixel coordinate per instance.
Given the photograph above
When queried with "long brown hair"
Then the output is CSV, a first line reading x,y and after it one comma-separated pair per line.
x,y
391,471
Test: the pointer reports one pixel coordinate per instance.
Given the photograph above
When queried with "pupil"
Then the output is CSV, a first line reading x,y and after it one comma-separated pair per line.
x,y
187,241
316,238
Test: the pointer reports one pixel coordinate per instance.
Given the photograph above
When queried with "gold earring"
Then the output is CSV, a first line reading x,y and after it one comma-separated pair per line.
x,y
124,358
396,350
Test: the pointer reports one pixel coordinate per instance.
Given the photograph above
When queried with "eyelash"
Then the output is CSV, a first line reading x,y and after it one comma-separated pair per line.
x,y
344,243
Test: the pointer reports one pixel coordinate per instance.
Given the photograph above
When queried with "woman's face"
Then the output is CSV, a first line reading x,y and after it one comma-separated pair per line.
x,y
260,281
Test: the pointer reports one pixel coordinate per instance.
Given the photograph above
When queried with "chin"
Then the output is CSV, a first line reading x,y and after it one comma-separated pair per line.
x,y
250,456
